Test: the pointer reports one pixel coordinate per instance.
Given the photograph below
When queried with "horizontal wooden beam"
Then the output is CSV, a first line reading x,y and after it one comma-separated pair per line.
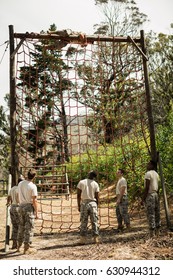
x,y
75,38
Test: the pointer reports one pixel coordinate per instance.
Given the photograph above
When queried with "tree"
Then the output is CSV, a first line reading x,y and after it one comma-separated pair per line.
x,y
164,139
45,82
4,141
110,77
160,49
122,18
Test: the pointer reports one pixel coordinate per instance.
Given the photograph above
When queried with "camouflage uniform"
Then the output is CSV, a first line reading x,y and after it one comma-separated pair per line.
x,y
122,211
14,215
151,198
153,210
88,199
122,202
12,199
26,223
89,208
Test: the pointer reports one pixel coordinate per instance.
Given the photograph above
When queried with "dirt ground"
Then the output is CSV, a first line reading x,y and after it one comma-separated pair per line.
x,y
132,245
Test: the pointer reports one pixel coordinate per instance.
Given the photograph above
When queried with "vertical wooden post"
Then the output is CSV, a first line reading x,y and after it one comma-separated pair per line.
x,y
154,154
8,221
167,212
12,108
148,101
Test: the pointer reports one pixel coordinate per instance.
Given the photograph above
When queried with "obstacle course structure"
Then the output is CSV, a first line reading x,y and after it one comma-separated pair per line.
x,y
78,100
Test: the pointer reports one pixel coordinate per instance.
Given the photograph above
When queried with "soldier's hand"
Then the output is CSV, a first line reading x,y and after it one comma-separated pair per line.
x,y
142,203
118,201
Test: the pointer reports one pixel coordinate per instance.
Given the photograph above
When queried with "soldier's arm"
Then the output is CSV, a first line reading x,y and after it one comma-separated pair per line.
x,y
147,184
9,200
78,198
34,202
97,197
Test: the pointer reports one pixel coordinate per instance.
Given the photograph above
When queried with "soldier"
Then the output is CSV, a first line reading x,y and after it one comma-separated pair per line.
x,y
151,198
88,199
12,201
27,191
122,202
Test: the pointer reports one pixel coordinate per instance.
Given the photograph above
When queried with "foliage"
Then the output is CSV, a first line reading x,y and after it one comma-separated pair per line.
x,y
4,142
122,18
45,83
160,49
164,139
109,80
106,160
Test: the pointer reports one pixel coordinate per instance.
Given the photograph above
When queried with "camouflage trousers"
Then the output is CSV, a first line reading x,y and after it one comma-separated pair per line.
x,y
89,209
14,215
153,210
122,212
26,223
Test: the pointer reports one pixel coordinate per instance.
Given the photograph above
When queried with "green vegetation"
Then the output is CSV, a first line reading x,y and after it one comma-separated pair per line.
x,y
107,160
165,147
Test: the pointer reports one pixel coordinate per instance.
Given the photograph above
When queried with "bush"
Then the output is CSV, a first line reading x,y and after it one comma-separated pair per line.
x,y
106,160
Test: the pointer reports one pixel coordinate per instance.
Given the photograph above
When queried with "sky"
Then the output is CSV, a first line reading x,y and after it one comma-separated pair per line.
x,y
77,15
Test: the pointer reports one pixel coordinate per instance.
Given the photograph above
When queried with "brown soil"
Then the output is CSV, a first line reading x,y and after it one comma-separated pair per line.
x,y
133,245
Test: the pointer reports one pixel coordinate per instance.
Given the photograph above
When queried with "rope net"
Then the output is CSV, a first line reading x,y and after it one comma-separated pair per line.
x,y
80,106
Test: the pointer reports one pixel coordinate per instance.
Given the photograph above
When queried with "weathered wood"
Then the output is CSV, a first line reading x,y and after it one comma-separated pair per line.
x,y
71,38
137,47
8,220
17,48
12,108
167,212
148,101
